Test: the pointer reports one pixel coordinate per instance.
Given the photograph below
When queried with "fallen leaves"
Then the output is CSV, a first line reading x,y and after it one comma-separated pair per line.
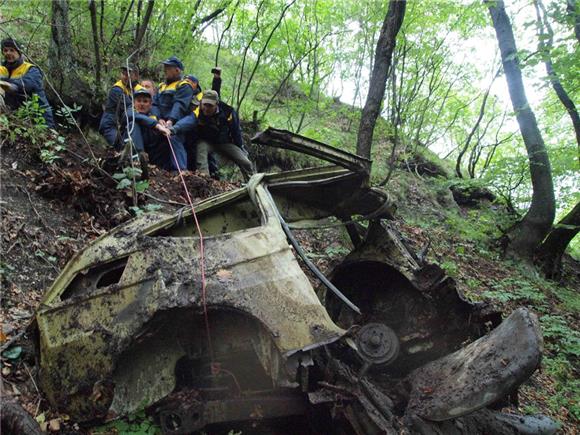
x,y
224,275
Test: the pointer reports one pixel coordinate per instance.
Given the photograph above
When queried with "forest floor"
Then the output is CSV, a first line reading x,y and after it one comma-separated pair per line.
x,y
50,211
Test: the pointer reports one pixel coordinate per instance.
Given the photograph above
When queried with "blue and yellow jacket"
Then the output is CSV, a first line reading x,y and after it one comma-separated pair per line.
x,y
173,101
29,81
113,120
223,127
119,98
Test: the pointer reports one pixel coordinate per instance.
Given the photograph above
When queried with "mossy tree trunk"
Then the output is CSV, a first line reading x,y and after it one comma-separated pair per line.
x,y
62,69
526,235
550,252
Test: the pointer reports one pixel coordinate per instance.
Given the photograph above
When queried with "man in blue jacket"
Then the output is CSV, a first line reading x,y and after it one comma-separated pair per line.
x,y
119,101
146,129
190,139
21,80
172,103
217,128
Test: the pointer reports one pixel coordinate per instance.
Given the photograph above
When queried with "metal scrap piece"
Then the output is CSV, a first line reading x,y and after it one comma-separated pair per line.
x,y
480,373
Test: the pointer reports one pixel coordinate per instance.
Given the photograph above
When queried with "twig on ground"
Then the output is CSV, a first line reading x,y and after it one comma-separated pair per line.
x,y
40,218
165,201
31,378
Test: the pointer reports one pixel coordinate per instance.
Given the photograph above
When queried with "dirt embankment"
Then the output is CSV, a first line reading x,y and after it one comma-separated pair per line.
x,y
49,212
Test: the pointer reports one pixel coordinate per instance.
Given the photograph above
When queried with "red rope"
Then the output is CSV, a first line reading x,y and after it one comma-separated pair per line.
x,y
201,251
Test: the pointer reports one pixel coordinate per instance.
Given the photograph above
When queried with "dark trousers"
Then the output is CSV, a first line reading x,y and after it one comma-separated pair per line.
x,y
154,144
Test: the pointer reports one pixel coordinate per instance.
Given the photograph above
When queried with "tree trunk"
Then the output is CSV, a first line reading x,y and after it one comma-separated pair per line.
x,y
223,33
62,68
143,26
549,254
526,235
472,132
261,53
93,10
383,56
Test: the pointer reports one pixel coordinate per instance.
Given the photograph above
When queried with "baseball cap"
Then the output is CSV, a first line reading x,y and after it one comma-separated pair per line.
x,y
173,61
210,97
142,92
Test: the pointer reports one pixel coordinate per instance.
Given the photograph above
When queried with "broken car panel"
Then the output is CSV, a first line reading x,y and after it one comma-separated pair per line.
x,y
123,326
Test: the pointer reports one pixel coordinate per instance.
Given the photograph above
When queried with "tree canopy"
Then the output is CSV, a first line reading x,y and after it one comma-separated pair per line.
x,y
286,62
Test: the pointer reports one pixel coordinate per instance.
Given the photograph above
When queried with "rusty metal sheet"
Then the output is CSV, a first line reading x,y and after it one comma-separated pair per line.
x,y
251,270
480,373
291,141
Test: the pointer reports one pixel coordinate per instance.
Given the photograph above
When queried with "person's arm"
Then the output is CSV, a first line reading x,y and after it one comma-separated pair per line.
x,y
181,103
30,82
216,84
143,120
235,130
185,124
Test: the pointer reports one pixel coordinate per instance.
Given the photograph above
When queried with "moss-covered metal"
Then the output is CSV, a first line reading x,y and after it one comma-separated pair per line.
x,y
95,318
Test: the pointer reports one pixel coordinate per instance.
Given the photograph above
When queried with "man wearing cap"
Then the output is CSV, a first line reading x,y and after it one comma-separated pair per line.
x,y
172,103
146,128
217,128
216,84
190,138
21,80
119,102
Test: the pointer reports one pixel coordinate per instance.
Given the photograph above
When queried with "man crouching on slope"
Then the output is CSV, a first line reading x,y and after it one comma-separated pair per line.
x,y
216,127
21,80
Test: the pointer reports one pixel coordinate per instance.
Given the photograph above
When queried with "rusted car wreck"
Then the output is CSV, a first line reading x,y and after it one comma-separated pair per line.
x,y
385,344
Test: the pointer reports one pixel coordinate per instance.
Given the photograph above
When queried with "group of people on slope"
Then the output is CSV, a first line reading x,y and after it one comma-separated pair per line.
x,y
177,124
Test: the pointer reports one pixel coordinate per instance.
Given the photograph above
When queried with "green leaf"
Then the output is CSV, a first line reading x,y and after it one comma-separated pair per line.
x,y
119,175
132,172
141,186
138,211
152,207
124,183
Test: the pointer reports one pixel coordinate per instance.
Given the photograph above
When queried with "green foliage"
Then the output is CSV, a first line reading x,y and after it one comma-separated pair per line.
x,y
560,338
450,267
125,179
51,149
516,289
27,125
5,270
134,424
147,208
45,256
336,251
67,114
567,385
568,297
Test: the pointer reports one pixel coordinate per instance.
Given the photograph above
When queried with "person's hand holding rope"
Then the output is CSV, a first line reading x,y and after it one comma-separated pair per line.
x,y
163,129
